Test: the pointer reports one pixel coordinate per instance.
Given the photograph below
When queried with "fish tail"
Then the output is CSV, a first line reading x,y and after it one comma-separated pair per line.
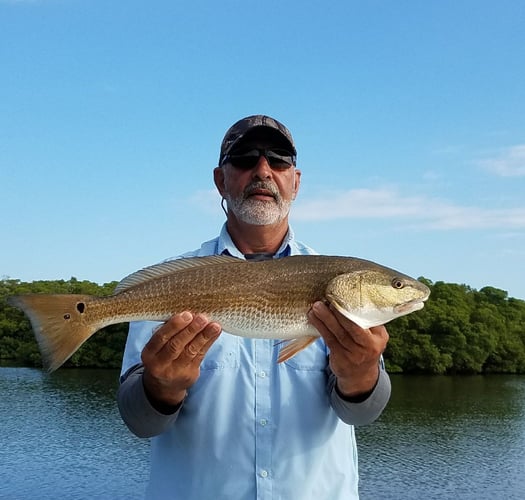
x,y
59,324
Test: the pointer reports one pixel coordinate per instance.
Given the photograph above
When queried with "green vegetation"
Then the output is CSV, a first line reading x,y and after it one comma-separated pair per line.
x,y
460,330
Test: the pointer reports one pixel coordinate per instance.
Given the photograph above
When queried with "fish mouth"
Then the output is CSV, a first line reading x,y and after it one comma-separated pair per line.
x,y
412,305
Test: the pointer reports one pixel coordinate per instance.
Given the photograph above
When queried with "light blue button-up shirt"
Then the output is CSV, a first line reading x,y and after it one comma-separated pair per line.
x,y
251,428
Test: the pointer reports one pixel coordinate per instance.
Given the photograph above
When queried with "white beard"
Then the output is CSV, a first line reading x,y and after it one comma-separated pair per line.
x,y
258,212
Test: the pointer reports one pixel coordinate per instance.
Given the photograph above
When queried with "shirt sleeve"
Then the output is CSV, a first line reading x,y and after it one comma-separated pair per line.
x,y
363,412
136,410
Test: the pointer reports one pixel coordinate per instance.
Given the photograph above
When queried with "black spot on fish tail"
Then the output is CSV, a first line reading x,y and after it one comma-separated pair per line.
x,y
81,307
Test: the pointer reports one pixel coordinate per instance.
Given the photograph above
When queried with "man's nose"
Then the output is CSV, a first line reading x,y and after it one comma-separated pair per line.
x,y
262,168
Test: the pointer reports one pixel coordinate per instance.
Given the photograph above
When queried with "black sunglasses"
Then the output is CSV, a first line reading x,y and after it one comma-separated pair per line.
x,y
278,159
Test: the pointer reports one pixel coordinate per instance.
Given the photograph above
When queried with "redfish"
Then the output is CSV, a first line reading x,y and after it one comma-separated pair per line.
x,y
264,299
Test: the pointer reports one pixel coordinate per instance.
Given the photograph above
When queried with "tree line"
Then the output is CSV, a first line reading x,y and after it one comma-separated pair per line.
x,y
460,330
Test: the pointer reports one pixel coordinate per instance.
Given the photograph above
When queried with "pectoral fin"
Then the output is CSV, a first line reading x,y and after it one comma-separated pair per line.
x,y
293,347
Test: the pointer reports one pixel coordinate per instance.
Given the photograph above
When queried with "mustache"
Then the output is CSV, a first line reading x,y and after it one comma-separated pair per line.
x,y
257,186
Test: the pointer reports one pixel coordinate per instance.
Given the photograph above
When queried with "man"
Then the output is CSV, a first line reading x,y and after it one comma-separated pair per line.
x,y
226,420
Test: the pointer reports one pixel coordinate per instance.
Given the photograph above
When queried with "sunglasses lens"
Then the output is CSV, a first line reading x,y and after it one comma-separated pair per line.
x,y
245,161
278,159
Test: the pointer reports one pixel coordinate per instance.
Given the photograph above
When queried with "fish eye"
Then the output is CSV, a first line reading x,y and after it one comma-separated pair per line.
x,y
398,283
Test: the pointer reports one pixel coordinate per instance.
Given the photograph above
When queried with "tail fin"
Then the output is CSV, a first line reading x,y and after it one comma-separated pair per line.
x,y
58,323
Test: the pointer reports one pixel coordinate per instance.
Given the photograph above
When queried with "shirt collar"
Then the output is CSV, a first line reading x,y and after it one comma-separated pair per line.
x,y
226,246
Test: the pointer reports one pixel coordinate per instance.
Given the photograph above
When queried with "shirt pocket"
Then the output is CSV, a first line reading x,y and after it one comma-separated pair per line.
x,y
313,358
223,354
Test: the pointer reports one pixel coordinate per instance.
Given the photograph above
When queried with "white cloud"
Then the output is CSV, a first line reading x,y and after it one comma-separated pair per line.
x,y
388,204
358,203
392,204
508,163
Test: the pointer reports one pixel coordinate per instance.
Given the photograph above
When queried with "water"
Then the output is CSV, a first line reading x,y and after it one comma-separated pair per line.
x,y
62,437
447,438
440,437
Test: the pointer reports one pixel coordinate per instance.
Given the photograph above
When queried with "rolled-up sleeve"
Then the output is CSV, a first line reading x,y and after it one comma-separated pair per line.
x,y
136,411
363,412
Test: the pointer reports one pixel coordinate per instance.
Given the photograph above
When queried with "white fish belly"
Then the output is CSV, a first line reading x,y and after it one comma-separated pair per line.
x,y
261,326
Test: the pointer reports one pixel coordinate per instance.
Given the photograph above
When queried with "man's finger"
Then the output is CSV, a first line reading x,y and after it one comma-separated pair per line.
x,y
176,345
336,325
169,342
164,333
196,349
318,324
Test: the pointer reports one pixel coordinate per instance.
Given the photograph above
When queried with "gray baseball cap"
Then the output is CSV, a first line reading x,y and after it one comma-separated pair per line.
x,y
239,130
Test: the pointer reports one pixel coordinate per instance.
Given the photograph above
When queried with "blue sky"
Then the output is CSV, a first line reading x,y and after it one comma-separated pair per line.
x,y
408,118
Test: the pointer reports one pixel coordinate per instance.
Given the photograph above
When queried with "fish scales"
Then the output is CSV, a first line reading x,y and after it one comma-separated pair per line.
x,y
263,298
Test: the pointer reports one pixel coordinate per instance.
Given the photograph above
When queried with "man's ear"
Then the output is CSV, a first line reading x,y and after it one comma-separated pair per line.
x,y
296,183
218,178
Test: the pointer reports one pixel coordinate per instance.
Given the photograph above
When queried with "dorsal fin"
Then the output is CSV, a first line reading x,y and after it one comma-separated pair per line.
x,y
170,266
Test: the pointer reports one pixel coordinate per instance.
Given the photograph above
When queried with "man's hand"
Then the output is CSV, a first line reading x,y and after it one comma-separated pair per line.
x,y
173,355
354,351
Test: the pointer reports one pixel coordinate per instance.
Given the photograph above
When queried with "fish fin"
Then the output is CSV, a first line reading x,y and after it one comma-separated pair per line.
x,y
170,266
58,324
293,347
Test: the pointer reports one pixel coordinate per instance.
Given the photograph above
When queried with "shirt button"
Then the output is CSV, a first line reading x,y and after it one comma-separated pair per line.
x,y
262,374
263,421
264,473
